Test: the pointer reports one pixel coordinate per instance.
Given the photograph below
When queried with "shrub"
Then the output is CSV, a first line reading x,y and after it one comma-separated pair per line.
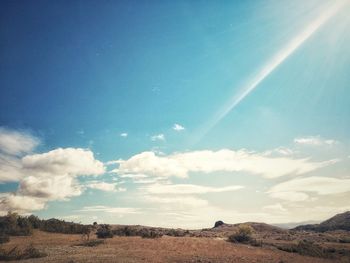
x,y
176,232
4,238
344,240
104,231
146,233
14,225
127,231
256,243
242,235
92,243
17,254
35,221
306,248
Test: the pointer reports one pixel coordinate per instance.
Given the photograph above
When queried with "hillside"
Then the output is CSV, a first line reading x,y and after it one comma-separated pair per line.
x,y
37,240
337,222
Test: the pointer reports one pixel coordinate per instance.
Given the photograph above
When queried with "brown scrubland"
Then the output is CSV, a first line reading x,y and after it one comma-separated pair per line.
x,y
247,242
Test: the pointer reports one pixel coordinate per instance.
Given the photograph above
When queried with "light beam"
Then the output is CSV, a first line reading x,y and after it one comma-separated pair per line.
x,y
272,64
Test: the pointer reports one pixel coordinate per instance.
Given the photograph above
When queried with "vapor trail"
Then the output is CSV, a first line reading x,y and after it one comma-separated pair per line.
x,y
272,64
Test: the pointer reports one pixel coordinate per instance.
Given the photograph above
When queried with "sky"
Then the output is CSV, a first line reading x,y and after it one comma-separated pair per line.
x,y
175,113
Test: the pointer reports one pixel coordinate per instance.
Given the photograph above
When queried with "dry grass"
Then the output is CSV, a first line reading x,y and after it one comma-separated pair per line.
x,y
64,248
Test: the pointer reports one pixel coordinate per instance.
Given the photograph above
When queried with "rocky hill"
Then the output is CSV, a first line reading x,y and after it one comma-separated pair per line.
x,y
337,222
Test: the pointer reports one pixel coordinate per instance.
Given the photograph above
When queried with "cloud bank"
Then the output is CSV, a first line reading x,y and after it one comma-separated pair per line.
x,y
299,189
206,161
41,177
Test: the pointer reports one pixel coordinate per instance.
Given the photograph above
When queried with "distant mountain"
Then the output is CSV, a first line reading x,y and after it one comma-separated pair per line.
x,y
337,222
291,225
221,227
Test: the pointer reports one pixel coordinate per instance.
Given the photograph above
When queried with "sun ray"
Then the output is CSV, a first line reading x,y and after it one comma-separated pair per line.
x,y
271,65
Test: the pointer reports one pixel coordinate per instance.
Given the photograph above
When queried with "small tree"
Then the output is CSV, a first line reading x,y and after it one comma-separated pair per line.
x,y
242,235
104,231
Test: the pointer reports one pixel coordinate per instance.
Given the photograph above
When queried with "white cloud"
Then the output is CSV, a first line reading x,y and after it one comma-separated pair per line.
x,y
124,134
275,208
298,189
180,164
19,203
70,161
280,151
158,137
108,209
50,187
47,177
314,141
188,189
103,186
10,168
148,181
176,201
15,142
132,176
290,196
178,127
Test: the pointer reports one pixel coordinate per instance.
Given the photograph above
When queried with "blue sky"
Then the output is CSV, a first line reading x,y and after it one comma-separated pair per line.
x,y
104,103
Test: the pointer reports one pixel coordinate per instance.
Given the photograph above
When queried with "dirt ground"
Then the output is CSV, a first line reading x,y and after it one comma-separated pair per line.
x,y
63,248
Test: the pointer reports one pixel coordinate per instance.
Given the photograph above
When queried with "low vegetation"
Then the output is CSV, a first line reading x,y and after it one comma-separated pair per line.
x,y
306,248
17,254
4,238
15,225
104,231
146,233
92,243
242,235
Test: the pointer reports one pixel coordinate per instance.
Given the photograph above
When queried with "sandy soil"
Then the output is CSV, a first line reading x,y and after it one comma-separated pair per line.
x,y
63,248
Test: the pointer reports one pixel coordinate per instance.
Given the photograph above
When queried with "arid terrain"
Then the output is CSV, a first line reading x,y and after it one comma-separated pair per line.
x,y
65,248
222,243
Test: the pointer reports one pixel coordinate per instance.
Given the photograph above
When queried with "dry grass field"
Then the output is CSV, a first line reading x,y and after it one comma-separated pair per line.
x,y
65,248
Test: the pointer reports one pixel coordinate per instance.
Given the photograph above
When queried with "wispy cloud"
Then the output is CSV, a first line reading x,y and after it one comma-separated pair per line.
x,y
178,127
315,141
124,134
176,201
188,189
158,137
206,161
103,186
274,208
109,209
298,189
16,142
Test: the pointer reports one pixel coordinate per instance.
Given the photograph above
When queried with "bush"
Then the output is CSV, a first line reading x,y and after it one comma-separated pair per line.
x,y
344,240
242,235
146,233
35,221
61,226
306,248
17,254
127,231
14,225
177,232
104,231
4,238
256,243
92,243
